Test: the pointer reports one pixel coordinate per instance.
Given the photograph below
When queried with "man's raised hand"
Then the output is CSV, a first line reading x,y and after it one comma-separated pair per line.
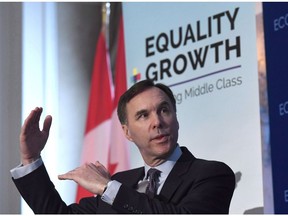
x,y
32,139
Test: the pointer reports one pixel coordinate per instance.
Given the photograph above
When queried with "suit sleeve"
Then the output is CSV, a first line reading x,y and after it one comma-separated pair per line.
x,y
207,188
42,197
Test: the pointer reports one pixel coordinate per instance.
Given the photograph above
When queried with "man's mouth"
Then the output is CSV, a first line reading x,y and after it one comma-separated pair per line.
x,y
161,138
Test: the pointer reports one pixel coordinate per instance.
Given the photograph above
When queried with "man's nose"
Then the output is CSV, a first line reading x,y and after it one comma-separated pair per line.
x,y
157,121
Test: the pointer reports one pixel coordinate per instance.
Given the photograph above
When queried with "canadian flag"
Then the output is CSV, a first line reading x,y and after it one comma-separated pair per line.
x,y
119,153
104,139
98,124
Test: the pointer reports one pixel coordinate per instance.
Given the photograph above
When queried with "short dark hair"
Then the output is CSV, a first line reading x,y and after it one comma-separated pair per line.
x,y
135,90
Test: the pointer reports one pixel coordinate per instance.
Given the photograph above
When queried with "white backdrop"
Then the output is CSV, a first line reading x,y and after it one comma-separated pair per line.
x,y
207,53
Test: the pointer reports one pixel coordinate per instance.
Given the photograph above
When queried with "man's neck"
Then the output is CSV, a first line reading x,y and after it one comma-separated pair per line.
x,y
173,154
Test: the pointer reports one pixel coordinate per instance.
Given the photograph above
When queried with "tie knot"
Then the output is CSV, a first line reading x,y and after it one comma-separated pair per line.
x,y
153,174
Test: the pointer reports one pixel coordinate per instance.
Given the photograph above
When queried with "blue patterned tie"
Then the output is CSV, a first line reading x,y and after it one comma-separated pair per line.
x,y
153,176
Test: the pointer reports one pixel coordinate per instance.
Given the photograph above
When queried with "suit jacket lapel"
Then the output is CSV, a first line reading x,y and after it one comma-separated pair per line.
x,y
132,177
175,178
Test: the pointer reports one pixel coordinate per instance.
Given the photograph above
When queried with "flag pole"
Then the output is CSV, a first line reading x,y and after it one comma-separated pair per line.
x,y
106,21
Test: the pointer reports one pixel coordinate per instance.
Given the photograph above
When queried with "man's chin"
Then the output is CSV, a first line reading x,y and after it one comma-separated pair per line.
x,y
166,148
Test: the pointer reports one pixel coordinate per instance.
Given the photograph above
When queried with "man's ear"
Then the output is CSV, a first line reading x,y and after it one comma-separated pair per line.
x,y
127,132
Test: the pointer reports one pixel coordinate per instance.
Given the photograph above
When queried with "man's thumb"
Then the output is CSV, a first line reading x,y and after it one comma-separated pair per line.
x,y
47,123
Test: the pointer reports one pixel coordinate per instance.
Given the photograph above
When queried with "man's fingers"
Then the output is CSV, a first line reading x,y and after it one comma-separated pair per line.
x,y
38,111
30,118
47,123
102,169
62,177
33,118
99,165
71,175
66,176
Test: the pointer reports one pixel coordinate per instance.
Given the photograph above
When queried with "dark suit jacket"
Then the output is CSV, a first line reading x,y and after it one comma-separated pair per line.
x,y
193,186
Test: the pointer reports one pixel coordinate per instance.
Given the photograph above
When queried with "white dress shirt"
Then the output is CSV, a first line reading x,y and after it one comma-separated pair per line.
x,y
165,168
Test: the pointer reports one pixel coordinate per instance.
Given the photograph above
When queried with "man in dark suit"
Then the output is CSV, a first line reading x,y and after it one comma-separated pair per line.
x,y
182,183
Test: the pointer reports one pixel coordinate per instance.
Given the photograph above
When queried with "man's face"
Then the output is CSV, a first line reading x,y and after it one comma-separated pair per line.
x,y
152,125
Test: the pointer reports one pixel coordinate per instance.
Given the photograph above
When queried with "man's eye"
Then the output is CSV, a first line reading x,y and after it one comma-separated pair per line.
x,y
143,115
165,110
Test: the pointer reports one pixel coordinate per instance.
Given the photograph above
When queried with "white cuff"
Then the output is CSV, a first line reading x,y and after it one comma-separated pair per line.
x,y
20,170
111,191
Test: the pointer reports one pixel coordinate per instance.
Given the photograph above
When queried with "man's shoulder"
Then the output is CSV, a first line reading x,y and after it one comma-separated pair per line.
x,y
211,163
205,164
212,168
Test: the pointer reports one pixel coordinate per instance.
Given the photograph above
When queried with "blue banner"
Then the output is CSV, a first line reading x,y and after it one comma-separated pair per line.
x,y
276,48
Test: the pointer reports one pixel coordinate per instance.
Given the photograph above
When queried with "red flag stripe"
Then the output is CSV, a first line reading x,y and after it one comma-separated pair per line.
x,y
120,67
119,154
100,94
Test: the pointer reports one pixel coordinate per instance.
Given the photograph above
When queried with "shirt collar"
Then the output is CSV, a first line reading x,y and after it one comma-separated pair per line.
x,y
167,166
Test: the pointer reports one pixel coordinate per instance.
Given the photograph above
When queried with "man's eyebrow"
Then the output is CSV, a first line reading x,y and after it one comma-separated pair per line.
x,y
164,103
140,112
144,111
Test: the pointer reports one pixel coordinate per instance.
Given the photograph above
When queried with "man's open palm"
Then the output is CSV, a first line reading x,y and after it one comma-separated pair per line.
x,y
32,139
